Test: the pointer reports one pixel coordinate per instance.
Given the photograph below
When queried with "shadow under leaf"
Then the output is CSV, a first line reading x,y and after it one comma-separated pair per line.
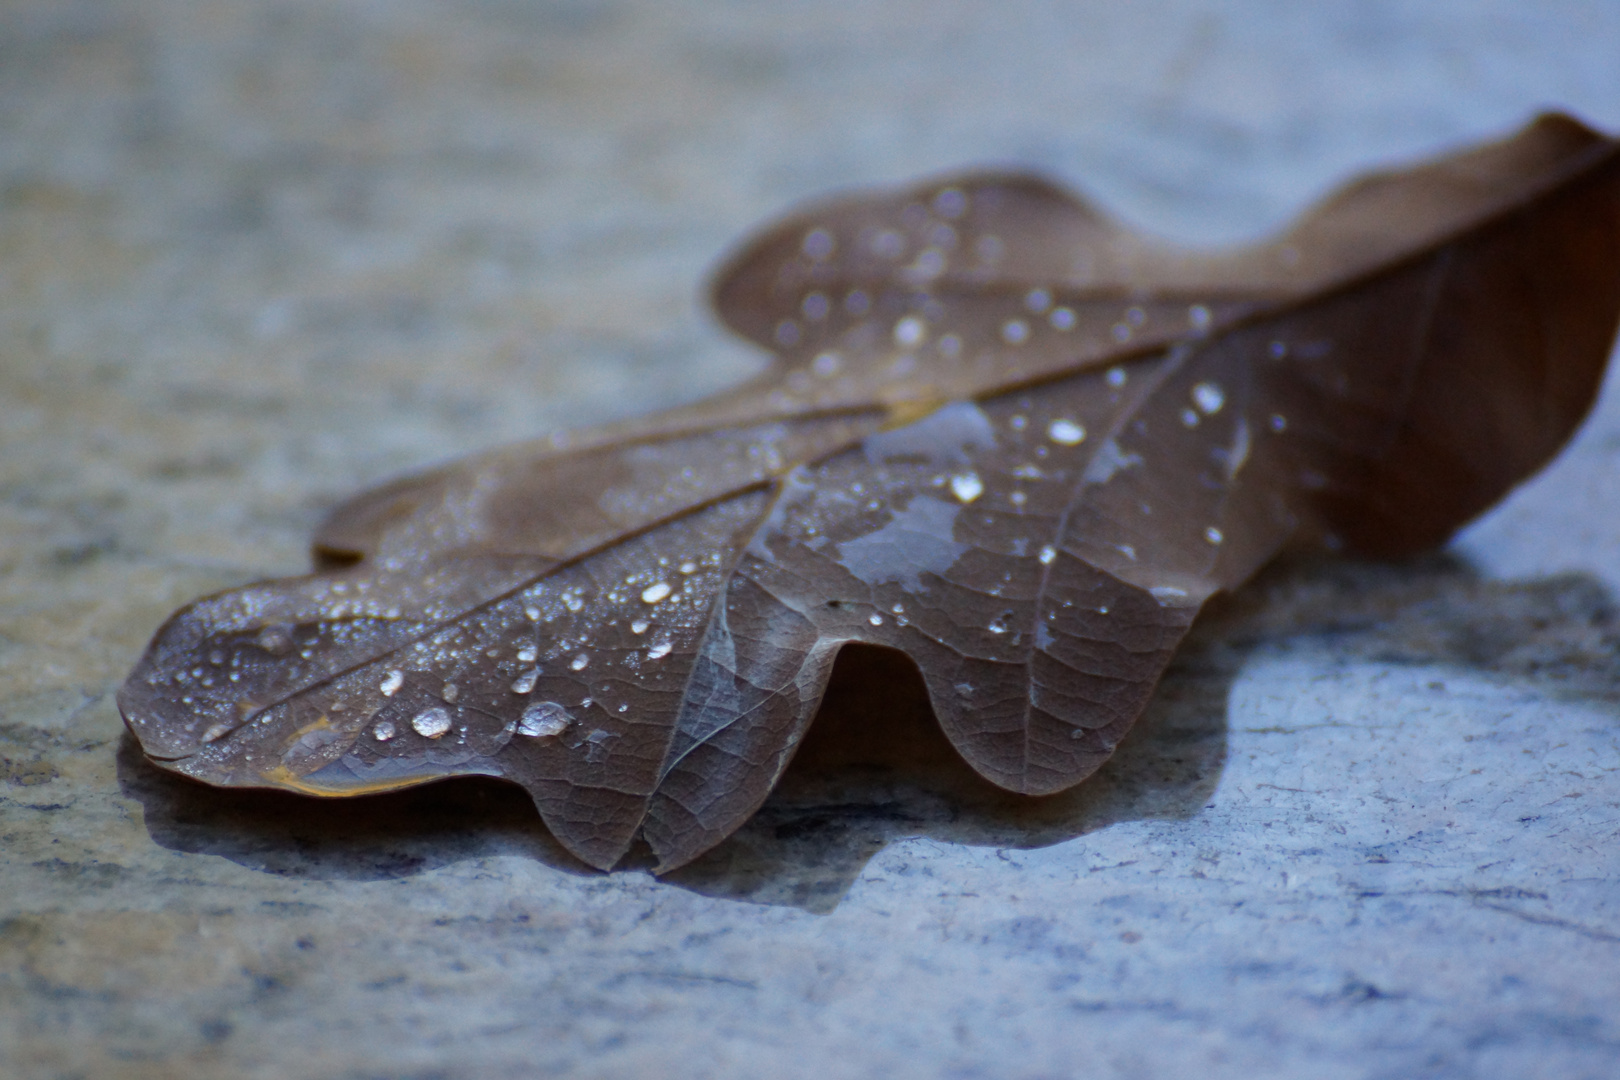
x,y
875,766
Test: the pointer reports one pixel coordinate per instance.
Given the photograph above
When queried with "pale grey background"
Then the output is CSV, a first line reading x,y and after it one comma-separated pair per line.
x,y
253,256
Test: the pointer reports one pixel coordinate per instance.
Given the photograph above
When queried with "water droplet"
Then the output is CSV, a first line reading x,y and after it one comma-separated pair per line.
x,y
658,651
909,332
391,682
818,244
826,364
579,662
639,626
1189,418
383,731
597,748
654,593
1198,317
1116,377
857,302
1121,332
572,602
787,333
950,346
1065,432
950,203
544,719
1048,553
1213,535
531,613
1209,397
1167,592
998,625
1135,316
815,307
527,652
888,244
1038,300
216,657
1103,610
1279,422
688,567
525,681
898,609
1015,331
273,640
875,619
1062,318
1277,350
450,693
929,264
967,486
431,723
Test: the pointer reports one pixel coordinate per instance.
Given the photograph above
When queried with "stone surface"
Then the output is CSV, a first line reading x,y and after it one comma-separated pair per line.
x,y
253,256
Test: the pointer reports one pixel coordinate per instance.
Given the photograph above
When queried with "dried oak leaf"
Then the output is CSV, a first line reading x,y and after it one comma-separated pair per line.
x,y
1001,434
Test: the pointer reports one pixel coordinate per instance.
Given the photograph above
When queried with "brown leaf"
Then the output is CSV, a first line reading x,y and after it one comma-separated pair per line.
x,y
1001,434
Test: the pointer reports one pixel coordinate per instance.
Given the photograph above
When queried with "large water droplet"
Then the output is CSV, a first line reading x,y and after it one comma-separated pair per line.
x,y
654,593
525,682
1209,398
544,719
391,682
967,486
909,332
273,640
1065,432
580,661
383,731
658,651
431,723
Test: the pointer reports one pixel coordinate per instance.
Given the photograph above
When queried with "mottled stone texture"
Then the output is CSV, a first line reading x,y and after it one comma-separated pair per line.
x,y
253,256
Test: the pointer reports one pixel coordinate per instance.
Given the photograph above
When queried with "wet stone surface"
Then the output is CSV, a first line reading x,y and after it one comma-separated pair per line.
x,y
255,257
